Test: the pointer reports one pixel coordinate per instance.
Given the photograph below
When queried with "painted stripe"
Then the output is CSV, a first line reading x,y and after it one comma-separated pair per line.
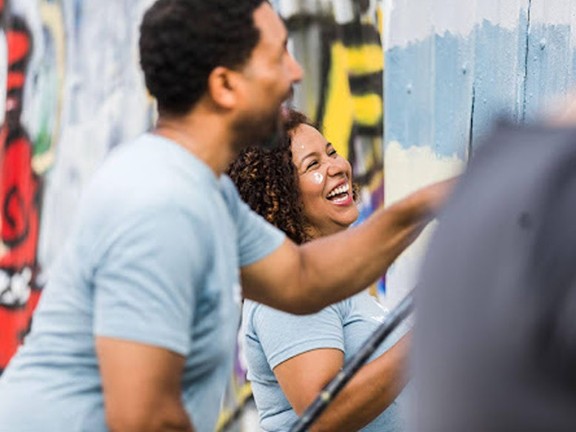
x,y
365,59
369,83
339,112
359,34
368,109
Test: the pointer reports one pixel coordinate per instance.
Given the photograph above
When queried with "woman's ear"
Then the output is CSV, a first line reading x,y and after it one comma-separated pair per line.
x,y
223,87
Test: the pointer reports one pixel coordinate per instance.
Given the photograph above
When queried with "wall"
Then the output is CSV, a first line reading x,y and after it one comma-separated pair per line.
x,y
454,66
74,91
339,45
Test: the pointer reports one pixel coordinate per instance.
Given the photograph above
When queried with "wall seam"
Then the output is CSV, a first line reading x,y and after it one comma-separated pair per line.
x,y
471,129
525,75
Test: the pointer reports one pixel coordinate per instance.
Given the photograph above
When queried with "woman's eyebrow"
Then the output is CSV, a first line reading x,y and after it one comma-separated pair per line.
x,y
306,156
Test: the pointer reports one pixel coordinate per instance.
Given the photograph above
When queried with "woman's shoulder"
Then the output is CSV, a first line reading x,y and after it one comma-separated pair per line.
x,y
258,317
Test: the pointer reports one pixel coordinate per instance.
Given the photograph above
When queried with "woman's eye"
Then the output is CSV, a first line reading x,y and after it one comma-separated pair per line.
x,y
332,152
312,165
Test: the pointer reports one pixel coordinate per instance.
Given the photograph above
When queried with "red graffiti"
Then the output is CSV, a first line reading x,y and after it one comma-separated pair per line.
x,y
19,202
18,189
15,325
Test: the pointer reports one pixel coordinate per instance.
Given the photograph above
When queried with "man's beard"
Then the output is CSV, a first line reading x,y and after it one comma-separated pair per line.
x,y
260,131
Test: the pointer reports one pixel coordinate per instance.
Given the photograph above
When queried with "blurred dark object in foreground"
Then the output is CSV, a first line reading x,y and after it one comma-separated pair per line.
x,y
495,336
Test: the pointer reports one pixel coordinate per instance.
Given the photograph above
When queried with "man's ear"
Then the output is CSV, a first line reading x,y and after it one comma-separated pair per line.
x,y
223,86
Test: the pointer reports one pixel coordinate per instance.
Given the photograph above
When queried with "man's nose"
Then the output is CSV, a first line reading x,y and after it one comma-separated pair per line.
x,y
296,70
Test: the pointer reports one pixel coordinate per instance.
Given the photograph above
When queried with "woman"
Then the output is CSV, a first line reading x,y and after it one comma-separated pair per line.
x,y
305,188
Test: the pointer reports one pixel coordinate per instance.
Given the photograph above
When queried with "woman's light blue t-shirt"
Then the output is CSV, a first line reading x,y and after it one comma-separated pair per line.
x,y
272,336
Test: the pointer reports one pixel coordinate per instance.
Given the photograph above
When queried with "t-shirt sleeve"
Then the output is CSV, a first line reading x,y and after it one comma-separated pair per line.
x,y
256,237
283,335
147,278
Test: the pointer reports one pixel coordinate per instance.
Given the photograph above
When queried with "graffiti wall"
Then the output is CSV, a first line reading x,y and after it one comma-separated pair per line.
x,y
20,188
452,68
73,91
339,44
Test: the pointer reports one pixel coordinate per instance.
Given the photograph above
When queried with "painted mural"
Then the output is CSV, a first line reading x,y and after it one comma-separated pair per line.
x,y
69,77
74,91
339,45
20,189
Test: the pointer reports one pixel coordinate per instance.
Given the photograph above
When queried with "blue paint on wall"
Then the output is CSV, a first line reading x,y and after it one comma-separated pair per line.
x,y
550,65
498,75
447,90
453,81
408,94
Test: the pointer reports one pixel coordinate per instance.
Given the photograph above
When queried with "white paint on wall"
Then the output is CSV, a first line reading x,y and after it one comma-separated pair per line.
x,y
410,169
504,13
543,12
406,171
104,104
413,24
290,8
454,16
405,23
343,11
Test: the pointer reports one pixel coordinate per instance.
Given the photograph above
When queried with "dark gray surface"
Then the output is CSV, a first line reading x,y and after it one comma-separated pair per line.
x,y
495,335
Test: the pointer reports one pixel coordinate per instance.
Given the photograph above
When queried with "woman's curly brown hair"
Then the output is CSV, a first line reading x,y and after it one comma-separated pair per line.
x,y
267,180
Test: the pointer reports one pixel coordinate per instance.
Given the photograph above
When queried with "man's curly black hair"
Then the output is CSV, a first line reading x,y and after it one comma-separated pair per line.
x,y
182,41
267,181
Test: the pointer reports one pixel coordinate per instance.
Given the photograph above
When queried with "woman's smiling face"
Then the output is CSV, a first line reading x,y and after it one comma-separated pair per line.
x,y
325,181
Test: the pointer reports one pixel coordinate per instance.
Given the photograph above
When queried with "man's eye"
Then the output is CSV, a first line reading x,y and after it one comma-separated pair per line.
x,y
332,152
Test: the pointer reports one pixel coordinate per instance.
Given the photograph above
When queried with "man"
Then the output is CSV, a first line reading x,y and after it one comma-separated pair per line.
x,y
135,330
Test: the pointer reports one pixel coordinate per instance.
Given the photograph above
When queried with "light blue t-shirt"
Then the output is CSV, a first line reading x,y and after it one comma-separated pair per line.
x,y
154,258
272,336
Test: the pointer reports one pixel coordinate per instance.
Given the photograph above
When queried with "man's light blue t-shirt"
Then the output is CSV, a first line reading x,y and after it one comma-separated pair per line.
x,y
154,258
272,337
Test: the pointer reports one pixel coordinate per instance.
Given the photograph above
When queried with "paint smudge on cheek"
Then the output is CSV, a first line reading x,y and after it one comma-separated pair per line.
x,y
318,178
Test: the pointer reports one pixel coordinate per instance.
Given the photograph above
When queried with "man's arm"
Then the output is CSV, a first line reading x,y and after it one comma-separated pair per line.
x,y
304,279
142,387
